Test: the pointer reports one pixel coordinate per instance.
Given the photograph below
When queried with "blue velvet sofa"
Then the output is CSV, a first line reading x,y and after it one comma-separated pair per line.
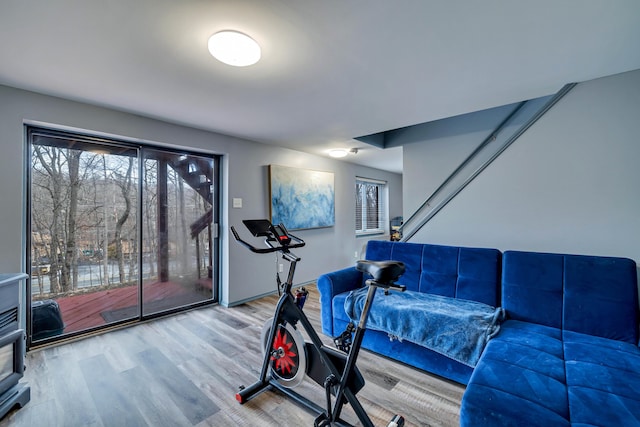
x,y
568,353
466,273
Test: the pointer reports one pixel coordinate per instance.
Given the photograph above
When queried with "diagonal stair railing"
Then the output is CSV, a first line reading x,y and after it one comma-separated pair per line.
x,y
521,118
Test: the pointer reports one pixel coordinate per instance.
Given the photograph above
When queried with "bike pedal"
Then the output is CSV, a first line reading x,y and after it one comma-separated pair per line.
x,y
321,421
396,421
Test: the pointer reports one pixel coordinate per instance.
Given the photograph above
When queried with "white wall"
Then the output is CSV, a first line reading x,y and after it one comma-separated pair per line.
x,y
570,184
246,275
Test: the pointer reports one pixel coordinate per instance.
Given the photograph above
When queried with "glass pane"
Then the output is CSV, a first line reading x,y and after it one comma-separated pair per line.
x,y
84,264
359,197
372,207
177,230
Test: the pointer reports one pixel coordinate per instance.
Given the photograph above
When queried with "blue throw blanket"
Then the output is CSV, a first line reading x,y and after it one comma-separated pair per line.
x,y
456,328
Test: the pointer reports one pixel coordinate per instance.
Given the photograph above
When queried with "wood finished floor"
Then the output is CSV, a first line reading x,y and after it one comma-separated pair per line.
x,y
184,370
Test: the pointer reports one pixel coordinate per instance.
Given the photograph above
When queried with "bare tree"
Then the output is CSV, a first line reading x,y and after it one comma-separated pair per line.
x,y
53,164
60,173
372,206
150,241
125,184
182,235
70,258
105,240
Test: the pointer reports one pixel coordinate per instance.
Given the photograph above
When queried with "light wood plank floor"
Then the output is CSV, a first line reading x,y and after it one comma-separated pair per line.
x,y
184,370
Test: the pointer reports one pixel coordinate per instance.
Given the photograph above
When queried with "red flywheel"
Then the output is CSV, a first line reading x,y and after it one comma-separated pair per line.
x,y
288,358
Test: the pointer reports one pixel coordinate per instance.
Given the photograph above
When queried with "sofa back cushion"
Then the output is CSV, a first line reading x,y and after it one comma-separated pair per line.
x,y
451,271
586,294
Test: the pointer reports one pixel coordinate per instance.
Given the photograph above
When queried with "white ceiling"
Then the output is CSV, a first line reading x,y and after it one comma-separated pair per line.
x,y
331,70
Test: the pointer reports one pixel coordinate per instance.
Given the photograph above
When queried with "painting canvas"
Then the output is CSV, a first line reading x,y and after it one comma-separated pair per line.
x,y
301,198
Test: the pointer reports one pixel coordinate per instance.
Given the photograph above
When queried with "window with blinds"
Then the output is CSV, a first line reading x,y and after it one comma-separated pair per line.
x,y
370,206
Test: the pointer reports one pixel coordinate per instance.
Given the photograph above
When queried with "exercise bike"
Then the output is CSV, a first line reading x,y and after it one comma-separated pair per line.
x,y
288,358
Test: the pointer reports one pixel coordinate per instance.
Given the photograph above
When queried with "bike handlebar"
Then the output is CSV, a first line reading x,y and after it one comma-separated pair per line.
x,y
272,248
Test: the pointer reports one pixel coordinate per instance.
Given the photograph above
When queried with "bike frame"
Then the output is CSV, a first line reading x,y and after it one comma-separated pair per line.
x,y
288,311
344,382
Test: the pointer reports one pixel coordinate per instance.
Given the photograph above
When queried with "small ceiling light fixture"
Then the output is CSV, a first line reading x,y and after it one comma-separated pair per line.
x,y
337,153
234,48
342,152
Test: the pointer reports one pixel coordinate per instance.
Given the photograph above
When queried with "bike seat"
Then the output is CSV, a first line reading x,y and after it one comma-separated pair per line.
x,y
382,271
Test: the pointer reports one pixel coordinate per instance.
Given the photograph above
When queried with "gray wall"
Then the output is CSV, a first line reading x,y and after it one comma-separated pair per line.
x,y
569,184
432,151
246,275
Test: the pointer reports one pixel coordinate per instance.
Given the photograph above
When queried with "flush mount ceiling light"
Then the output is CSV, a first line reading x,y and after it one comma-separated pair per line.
x,y
342,152
338,153
234,48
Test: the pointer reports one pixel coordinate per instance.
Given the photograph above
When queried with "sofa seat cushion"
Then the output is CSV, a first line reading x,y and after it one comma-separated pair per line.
x,y
530,346
603,379
520,379
532,374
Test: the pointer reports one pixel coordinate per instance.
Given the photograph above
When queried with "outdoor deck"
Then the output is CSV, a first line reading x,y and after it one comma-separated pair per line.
x,y
90,310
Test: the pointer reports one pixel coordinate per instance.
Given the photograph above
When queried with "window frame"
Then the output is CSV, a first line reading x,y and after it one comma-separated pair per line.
x,y
362,210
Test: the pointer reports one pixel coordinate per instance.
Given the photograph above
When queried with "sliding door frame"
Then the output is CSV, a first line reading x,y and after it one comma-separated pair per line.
x,y
128,144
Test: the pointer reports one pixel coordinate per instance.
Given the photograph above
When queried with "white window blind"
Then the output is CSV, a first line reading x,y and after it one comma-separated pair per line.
x,y
370,205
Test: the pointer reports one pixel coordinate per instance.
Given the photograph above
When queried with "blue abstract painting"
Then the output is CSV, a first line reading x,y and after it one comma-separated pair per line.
x,y
301,198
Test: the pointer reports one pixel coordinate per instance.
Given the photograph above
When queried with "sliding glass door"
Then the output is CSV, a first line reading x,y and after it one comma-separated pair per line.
x,y
117,232
177,217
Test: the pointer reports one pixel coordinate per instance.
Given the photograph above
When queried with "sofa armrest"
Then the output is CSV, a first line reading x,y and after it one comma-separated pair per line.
x,y
330,285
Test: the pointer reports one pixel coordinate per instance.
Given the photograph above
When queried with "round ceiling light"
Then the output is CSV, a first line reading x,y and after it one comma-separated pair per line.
x,y
234,48
340,152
